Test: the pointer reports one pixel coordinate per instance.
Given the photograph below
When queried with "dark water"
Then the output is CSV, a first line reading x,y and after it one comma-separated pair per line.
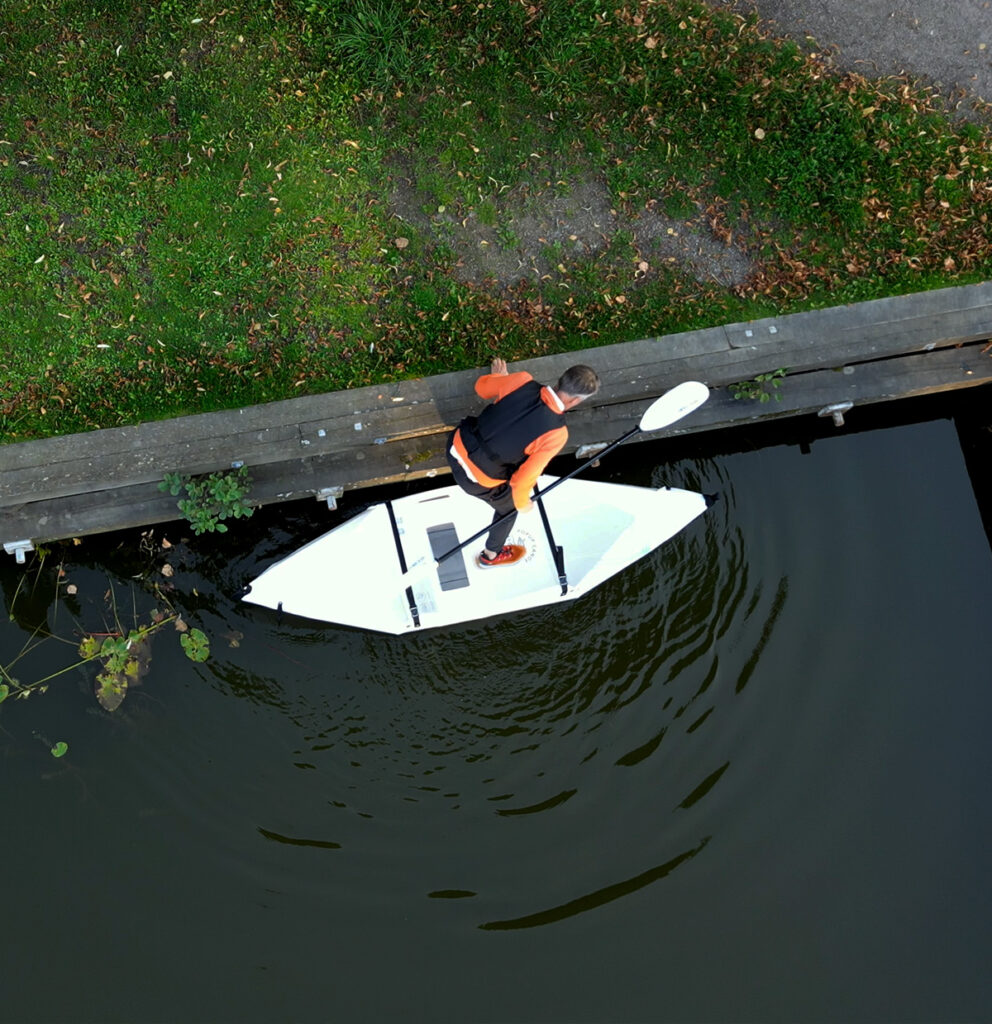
x,y
748,780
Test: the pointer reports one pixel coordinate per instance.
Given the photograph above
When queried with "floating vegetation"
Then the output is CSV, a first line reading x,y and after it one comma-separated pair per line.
x,y
121,653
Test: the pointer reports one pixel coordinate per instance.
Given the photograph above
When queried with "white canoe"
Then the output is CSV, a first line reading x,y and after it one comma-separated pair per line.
x,y
354,576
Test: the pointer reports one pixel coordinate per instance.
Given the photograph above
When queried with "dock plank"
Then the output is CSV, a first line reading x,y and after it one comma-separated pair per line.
x,y
802,394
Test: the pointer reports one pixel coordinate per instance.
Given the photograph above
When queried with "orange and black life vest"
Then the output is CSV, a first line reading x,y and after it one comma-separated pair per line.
x,y
496,439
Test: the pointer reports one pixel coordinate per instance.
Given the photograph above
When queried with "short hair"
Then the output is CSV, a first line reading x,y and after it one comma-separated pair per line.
x,y
578,381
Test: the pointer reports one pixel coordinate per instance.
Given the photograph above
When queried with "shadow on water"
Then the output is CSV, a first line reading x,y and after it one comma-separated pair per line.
x,y
597,898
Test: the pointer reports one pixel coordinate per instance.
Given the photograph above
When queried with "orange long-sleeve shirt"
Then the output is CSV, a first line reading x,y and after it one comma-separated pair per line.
x,y
492,387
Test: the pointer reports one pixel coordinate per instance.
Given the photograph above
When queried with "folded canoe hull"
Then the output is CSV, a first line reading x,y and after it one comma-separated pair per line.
x,y
353,575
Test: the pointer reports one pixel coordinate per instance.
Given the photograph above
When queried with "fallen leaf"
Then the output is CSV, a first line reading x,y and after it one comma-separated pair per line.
x,y
401,243
72,589
759,133
181,626
167,570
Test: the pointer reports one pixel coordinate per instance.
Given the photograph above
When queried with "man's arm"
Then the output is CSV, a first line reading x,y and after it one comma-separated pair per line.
x,y
539,453
499,381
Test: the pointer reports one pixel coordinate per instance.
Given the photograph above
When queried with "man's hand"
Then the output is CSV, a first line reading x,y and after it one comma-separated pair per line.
x,y
498,367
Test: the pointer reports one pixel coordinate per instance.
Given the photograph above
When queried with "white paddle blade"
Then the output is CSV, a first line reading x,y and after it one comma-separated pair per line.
x,y
683,399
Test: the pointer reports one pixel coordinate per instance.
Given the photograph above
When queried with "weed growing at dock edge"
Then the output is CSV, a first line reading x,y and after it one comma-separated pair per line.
x,y
212,498
203,209
761,388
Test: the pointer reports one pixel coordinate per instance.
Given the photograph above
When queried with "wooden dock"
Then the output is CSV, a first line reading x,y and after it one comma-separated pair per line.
x,y
836,359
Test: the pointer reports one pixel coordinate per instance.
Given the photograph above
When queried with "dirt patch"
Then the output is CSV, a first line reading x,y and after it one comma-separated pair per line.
x,y
542,234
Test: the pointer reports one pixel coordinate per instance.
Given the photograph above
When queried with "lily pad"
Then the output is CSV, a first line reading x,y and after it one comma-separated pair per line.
x,y
90,647
112,684
196,645
111,689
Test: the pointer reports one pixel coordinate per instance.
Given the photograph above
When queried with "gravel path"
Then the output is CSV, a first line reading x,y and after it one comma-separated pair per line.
x,y
945,43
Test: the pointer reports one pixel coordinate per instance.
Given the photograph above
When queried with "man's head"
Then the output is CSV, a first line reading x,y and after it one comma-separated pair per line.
x,y
576,384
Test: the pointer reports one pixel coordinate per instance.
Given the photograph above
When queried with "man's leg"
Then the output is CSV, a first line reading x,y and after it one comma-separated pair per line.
x,y
501,499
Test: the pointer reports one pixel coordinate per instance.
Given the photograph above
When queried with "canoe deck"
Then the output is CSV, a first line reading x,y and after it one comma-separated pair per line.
x,y
353,575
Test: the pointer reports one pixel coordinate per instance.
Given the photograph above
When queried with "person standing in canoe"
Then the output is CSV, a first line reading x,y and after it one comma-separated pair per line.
x,y
498,455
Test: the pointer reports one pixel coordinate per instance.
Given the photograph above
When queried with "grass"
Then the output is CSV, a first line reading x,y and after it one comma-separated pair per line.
x,y
199,205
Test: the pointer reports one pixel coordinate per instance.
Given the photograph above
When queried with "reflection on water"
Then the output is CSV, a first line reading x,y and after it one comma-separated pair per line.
x,y
741,728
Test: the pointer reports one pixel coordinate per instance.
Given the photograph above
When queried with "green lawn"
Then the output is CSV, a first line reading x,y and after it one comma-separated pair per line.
x,y
208,206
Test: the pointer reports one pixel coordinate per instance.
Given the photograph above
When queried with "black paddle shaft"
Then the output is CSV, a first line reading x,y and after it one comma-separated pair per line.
x,y
575,472
557,551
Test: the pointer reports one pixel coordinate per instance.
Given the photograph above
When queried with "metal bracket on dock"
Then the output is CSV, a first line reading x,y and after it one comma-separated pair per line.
x,y
18,548
330,495
837,411
587,451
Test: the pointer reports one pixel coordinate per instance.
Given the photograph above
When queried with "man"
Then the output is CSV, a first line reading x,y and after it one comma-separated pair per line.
x,y
498,455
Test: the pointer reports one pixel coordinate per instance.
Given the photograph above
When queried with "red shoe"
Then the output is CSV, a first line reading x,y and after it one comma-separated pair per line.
x,y
507,555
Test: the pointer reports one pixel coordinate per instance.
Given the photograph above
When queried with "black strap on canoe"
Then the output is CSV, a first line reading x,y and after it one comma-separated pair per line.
x,y
414,612
556,549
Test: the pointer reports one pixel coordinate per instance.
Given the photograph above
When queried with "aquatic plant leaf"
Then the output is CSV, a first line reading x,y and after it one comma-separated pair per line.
x,y
196,645
90,647
60,748
110,689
